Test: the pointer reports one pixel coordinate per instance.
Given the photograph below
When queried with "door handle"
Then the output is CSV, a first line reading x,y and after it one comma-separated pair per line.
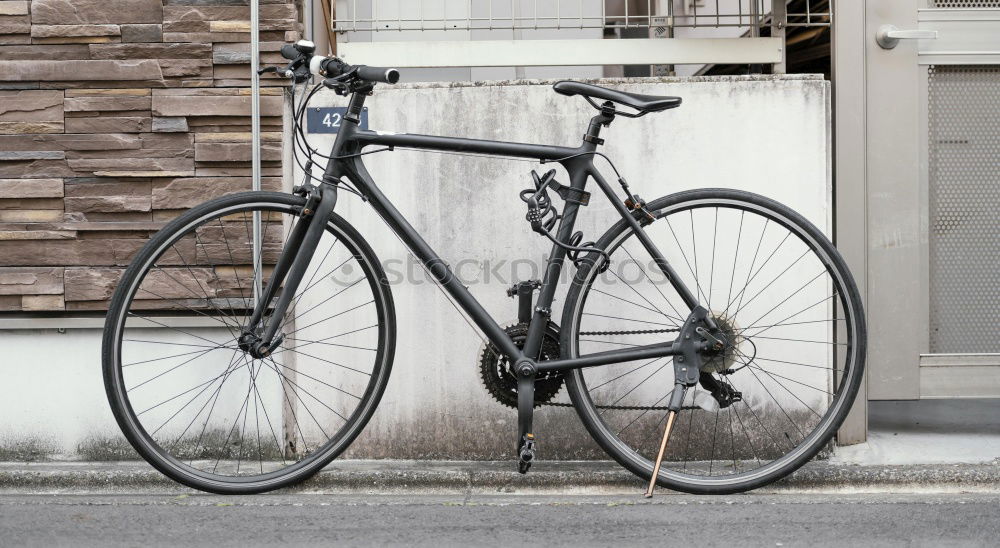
x,y
888,35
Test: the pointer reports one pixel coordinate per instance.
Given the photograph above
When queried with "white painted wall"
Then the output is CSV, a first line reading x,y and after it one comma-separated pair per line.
x,y
764,134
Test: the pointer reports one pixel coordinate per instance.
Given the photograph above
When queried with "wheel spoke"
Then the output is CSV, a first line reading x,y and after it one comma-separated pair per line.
x,y
629,319
605,383
310,394
214,397
161,324
644,411
337,315
698,292
751,299
783,398
301,353
182,387
641,296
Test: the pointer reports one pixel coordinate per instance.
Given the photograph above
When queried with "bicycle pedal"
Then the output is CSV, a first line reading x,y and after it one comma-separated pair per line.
x,y
526,455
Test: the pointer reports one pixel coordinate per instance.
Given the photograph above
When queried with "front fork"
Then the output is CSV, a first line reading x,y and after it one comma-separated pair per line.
x,y
259,336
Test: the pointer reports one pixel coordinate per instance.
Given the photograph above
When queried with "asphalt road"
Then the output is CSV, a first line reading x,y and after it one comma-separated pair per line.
x,y
357,520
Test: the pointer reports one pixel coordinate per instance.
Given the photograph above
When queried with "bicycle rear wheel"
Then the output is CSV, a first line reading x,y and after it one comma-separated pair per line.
x,y
203,411
792,318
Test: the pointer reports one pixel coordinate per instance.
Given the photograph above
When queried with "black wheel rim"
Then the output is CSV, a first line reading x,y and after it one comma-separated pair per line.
x,y
745,441
293,401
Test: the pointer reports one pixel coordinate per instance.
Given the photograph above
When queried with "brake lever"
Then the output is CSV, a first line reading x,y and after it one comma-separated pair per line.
x,y
341,84
283,72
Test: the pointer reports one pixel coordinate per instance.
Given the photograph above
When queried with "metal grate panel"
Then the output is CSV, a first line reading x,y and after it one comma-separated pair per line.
x,y
965,3
964,201
465,15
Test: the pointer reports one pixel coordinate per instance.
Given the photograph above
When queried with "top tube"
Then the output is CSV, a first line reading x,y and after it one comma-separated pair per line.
x,y
461,144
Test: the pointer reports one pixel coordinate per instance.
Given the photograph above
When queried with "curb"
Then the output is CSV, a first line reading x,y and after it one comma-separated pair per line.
x,y
436,477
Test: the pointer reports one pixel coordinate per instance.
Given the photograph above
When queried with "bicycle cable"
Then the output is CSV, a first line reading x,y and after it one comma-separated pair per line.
x,y
301,143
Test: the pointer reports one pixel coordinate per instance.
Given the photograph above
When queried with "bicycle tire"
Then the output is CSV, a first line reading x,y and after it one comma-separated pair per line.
x,y
849,383
133,429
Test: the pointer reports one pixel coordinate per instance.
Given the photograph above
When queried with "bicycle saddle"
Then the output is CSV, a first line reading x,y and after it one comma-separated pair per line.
x,y
643,103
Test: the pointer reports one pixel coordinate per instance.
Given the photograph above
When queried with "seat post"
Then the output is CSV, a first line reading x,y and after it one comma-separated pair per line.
x,y
605,118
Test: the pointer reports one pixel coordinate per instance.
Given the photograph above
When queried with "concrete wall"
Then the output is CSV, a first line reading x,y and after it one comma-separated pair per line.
x,y
764,134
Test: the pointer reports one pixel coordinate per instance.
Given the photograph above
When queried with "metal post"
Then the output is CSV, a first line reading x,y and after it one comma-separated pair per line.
x,y
664,19
779,21
515,17
850,82
255,140
308,20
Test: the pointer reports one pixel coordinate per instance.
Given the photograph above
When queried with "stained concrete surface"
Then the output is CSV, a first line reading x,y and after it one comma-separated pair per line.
x,y
294,520
928,432
380,477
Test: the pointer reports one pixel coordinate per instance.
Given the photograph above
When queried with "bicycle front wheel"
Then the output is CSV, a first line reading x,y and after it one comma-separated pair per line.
x,y
789,311
208,414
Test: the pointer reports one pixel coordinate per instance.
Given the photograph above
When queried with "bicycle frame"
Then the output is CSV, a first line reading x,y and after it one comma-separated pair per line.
x,y
346,162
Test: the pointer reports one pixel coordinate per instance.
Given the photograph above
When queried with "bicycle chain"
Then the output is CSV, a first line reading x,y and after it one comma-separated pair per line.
x,y
622,407
614,407
637,332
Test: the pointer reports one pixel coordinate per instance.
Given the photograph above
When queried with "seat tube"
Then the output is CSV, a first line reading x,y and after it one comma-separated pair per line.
x,y
578,169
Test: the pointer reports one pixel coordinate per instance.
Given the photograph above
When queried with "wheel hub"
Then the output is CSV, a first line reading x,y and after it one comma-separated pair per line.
x,y
730,333
253,345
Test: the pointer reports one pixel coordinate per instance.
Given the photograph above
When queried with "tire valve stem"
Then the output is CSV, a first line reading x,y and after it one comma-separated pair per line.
x,y
659,456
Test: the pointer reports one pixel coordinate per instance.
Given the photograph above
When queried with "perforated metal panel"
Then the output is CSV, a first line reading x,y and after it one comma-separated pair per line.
x,y
964,201
965,3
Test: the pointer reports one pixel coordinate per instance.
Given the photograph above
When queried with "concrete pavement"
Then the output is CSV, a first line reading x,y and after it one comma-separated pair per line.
x,y
461,477
813,520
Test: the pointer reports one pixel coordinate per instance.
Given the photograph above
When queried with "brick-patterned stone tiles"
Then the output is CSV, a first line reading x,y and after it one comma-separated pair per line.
x,y
115,115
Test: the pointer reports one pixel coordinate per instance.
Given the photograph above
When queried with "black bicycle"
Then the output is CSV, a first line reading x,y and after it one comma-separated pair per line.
x,y
251,339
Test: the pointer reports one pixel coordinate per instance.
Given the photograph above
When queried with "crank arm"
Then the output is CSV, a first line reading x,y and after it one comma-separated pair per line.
x,y
526,373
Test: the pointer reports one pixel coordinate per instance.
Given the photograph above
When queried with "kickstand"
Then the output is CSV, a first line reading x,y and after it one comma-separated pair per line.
x,y
676,399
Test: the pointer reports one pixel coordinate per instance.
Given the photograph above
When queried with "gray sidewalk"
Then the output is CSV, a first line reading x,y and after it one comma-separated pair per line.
x,y
452,477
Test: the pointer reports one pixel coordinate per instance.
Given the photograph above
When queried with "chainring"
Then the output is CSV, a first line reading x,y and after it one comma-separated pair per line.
x,y
500,381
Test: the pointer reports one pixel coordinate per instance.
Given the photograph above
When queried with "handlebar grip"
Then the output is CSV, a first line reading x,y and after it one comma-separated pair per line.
x,y
378,74
331,67
288,51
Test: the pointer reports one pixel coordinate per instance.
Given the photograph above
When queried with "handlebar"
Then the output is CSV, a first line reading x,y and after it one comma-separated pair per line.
x,y
333,67
378,74
301,56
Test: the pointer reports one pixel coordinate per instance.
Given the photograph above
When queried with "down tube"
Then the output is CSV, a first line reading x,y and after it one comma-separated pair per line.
x,y
440,270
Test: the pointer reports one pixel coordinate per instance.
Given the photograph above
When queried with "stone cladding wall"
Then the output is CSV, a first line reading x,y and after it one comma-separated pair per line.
x,y
115,116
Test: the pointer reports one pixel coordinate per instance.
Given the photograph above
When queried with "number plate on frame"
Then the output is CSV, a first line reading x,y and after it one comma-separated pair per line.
x,y
329,119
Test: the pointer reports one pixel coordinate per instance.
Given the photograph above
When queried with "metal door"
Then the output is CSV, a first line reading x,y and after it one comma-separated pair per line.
x,y
932,173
